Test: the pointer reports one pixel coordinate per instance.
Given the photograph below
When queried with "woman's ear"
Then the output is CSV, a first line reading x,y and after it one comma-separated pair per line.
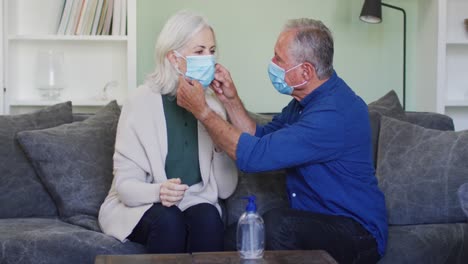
x,y
172,57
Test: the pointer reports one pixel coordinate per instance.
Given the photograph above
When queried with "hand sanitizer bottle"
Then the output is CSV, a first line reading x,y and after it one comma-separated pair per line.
x,y
250,232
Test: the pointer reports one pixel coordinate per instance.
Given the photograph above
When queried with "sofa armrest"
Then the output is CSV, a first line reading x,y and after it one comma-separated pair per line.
x,y
431,120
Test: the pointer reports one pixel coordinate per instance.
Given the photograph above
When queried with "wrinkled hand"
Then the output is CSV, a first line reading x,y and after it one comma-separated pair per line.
x,y
223,85
171,192
191,96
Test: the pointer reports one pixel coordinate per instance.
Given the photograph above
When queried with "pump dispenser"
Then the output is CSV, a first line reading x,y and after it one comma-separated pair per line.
x,y
250,232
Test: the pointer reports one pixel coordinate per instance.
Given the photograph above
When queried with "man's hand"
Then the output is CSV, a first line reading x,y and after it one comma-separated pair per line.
x,y
223,85
171,192
191,96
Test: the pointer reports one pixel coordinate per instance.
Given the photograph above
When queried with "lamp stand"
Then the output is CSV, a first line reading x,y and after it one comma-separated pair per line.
x,y
404,49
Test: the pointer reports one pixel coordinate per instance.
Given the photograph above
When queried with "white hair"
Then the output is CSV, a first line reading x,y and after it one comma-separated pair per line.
x,y
175,34
313,43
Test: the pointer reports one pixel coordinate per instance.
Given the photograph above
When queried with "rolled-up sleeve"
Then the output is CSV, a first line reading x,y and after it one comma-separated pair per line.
x,y
316,137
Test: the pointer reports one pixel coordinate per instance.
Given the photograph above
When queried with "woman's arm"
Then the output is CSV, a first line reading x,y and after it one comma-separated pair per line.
x,y
133,184
225,173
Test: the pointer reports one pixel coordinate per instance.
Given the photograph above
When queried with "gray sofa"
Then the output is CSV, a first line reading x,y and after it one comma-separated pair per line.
x,y
55,169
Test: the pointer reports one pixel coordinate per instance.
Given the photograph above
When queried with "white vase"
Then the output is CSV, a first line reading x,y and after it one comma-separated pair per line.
x,y
50,74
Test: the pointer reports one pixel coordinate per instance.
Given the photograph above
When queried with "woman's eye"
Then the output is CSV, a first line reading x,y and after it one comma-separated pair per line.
x,y
212,52
199,52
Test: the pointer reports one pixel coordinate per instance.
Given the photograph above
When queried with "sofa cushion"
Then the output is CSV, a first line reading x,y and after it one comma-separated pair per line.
x,y
420,170
431,120
428,244
40,240
388,105
75,162
17,177
268,187
463,197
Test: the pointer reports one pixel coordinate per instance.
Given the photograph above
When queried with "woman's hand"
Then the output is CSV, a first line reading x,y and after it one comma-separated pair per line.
x,y
223,85
172,191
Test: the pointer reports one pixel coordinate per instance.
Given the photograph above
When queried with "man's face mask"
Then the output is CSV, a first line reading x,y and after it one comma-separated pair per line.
x,y
200,68
277,75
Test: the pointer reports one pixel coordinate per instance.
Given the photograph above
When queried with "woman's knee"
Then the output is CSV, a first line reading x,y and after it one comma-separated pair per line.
x,y
169,219
204,215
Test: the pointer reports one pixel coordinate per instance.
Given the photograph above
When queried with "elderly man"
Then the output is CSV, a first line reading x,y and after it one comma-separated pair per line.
x,y
322,138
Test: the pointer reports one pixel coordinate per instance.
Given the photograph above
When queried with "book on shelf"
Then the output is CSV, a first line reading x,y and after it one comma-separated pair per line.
x,y
97,15
66,14
93,17
123,18
81,15
102,18
88,26
74,17
108,19
116,17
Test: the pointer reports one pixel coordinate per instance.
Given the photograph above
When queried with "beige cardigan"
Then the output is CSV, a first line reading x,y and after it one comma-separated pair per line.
x,y
139,159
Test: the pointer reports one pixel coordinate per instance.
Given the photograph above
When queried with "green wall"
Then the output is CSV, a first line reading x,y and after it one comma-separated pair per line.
x,y
368,57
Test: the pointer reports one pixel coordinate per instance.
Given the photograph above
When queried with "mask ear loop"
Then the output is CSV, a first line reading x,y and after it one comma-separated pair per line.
x,y
297,85
176,67
178,55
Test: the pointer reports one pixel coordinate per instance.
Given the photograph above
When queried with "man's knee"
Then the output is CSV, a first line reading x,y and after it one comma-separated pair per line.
x,y
275,229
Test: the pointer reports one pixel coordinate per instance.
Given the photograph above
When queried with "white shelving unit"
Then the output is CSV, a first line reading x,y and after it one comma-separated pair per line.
x,y
90,61
452,76
2,93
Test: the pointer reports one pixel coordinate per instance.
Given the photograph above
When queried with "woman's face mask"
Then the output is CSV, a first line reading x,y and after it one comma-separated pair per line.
x,y
200,68
277,75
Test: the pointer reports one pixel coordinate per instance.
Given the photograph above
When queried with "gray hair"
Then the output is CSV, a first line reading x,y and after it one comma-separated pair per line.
x,y
313,43
175,34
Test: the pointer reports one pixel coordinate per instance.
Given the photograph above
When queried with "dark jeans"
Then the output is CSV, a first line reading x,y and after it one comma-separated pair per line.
x,y
343,238
169,230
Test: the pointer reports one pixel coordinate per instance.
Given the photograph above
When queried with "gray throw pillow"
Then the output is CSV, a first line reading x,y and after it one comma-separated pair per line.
x,y
75,162
268,187
420,170
21,192
389,105
463,197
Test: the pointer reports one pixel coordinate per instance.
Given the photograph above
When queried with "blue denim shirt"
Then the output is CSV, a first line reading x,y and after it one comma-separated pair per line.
x,y
324,143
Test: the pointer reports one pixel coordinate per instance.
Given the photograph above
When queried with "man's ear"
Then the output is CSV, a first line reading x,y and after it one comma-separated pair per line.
x,y
308,71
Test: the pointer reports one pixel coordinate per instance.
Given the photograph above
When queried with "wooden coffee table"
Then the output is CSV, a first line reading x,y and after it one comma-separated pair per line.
x,y
270,257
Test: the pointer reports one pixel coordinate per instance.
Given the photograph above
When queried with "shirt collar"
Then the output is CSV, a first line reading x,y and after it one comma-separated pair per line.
x,y
321,90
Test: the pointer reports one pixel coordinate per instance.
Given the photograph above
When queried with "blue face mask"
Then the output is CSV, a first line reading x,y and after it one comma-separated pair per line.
x,y
277,75
200,68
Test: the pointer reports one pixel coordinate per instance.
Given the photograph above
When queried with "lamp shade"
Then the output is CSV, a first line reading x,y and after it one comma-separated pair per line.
x,y
371,11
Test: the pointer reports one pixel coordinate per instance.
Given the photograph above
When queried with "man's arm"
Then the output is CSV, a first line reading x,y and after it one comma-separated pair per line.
x,y
226,91
192,97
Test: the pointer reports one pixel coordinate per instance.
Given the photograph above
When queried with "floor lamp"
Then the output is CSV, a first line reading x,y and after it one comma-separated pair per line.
x,y
372,13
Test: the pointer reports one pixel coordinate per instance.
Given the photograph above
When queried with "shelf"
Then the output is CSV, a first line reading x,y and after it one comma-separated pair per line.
x,y
456,103
458,42
69,37
28,103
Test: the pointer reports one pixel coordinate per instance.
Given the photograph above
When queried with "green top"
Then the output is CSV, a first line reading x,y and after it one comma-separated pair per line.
x,y
182,142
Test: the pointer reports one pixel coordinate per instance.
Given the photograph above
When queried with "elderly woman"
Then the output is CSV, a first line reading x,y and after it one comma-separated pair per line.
x,y
168,174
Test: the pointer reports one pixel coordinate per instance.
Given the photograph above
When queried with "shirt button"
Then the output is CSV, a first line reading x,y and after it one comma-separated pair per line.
x,y
300,112
186,143
185,123
293,194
